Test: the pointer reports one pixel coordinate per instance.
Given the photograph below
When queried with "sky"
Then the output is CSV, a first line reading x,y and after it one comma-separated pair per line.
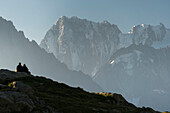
x,y
35,17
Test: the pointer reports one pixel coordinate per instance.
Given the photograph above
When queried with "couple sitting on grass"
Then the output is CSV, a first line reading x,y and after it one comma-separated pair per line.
x,y
23,68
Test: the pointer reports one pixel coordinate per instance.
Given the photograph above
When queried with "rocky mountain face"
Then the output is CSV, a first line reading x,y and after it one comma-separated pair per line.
x,y
150,35
14,48
82,44
141,64
33,94
135,64
85,45
155,36
140,73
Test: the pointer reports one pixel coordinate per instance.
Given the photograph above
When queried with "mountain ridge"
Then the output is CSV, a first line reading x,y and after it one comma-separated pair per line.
x,y
16,48
37,94
128,72
67,34
138,68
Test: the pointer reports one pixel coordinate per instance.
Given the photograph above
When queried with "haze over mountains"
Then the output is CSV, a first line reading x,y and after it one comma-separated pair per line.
x,y
85,45
97,57
81,44
135,64
16,48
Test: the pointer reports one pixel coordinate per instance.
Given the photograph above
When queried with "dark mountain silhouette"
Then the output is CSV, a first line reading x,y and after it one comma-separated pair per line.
x,y
14,48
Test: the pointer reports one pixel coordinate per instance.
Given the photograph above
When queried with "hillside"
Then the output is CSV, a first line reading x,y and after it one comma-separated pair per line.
x,y
37,94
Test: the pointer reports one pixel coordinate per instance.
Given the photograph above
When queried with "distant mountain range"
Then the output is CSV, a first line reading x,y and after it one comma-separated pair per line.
x,y
97,57
82,44
85,45
14,48
135,64
141,73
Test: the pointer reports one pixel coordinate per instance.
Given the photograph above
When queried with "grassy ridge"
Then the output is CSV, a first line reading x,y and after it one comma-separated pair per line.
x,y
74,100
50,96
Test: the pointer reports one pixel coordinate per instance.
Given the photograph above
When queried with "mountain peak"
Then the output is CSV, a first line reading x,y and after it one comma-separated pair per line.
x,y
74,35
63,17
105,22
6,24
148,34
67,18
15,47
141,27
74,17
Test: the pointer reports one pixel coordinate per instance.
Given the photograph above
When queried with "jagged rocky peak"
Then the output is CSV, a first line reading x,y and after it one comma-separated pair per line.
x,y
5,22
155,36
6,26
142,27
105,22
15,47
85,45
147,34
81,44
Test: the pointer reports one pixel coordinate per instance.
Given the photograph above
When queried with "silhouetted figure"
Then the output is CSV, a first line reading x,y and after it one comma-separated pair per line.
x,y
19,67
25,69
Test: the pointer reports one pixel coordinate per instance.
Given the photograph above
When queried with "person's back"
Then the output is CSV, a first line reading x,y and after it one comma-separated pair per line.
x,y
25,69
19,67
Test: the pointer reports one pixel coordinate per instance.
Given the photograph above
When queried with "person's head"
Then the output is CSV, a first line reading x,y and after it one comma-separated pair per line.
x,y
24,65
19,63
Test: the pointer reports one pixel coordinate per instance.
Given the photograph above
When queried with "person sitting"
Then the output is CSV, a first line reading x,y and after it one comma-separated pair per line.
x,y
19,67
25,69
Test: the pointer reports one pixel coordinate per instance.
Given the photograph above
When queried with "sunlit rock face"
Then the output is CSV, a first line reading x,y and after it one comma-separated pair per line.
x,y
81,44
135,64
147,34
140,68
155,36
15,48
86,46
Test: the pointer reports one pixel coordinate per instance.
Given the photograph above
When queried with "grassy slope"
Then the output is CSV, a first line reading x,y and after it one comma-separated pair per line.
x,y
73,100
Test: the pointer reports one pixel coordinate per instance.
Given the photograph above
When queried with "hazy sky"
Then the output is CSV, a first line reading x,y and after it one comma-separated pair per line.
x,y
35,17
